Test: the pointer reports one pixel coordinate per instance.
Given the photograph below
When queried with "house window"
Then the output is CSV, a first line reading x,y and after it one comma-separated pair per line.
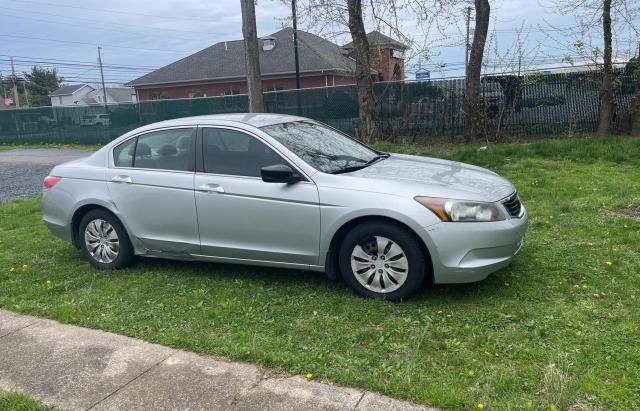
x,y
273,98
231,102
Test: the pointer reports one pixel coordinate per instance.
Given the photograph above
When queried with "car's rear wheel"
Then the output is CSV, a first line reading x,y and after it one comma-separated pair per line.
x,y
104,241
381,259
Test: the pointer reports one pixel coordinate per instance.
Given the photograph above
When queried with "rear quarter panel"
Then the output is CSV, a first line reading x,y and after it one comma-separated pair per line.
x,y
80,185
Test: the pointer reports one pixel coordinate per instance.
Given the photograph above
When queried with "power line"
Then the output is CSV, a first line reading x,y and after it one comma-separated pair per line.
x,y
95,45
102,22
74,61
127,13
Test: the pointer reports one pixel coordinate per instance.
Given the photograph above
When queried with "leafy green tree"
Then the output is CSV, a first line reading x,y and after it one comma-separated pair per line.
x,y
40,83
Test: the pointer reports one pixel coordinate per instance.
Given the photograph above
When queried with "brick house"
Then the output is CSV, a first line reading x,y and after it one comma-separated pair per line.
x,y
386,56
219,70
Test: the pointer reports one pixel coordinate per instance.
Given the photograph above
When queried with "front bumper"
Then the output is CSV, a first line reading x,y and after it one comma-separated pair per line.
x,y
469,252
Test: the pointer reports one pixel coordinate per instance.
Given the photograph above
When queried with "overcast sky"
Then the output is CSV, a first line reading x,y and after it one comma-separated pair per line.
x,y
146,34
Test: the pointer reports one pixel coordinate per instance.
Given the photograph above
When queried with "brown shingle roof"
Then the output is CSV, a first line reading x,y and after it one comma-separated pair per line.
x,y
225,60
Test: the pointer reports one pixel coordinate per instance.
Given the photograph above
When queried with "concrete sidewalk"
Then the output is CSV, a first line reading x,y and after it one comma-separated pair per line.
x,y
82,369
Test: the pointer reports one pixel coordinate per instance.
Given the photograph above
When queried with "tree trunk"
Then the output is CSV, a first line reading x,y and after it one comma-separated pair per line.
x,y
474,120
252,56
606,90
364,85
635,104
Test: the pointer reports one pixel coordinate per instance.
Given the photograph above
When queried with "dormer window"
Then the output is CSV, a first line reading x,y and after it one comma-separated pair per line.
x,y
268,43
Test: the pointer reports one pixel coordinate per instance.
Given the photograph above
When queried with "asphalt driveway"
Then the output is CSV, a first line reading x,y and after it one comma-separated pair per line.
x,y
22,170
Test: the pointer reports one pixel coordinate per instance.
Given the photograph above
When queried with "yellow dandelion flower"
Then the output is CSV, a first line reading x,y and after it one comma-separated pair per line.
x,y
309,376
480,406
609,263
590,244
12,269
48,281
24,266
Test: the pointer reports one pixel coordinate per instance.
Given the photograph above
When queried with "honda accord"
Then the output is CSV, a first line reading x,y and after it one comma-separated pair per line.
x,y
284,191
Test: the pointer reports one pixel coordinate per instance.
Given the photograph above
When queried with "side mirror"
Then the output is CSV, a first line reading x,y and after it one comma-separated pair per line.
x,y
279,173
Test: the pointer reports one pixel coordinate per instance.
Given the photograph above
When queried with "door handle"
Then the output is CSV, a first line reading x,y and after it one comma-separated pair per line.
x,y
211,188
122,179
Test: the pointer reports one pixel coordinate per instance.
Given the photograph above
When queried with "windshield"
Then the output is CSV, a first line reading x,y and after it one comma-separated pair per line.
x,y
322,147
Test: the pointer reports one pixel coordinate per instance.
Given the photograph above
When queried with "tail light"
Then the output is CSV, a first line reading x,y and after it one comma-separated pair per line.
x,y
50,181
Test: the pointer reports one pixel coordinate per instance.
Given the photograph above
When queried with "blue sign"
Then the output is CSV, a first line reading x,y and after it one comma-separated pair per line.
x,y
423,76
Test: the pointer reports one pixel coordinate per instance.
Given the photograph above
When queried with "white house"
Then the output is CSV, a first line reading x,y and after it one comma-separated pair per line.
x,y
115,95
75,95
70,95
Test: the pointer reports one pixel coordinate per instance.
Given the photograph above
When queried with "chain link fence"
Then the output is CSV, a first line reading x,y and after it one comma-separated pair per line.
x,y
532,105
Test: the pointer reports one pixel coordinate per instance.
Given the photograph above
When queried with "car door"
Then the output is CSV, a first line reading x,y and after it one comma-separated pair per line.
x,y
241,217
151,184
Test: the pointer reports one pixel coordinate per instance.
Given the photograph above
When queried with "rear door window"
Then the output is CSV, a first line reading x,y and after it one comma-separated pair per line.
x,y
159,150
123,154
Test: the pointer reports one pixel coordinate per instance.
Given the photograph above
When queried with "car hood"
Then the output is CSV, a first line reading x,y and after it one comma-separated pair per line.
x,y
438,177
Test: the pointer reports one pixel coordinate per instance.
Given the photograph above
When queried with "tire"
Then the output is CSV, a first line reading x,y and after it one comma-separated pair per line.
x,y
103,230
394,274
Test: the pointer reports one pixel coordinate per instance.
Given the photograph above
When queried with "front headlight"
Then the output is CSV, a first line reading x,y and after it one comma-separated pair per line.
x,y
463,211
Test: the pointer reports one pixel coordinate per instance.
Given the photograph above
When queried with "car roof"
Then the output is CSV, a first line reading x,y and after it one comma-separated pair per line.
x,y
253,119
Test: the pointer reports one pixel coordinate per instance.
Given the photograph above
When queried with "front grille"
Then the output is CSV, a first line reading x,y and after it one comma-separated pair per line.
x,y
512,203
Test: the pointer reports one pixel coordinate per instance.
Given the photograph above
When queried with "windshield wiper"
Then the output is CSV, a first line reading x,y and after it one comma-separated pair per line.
x,y
361,166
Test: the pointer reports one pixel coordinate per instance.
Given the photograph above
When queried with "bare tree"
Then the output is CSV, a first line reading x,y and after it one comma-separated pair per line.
x,y
602,19
252,56
634,69
606,88
338,19
364,85
474,120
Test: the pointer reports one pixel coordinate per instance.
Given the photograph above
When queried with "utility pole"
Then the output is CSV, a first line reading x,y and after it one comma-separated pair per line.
x,y
4,90
104,90
295,53
16,98
252,56
519,63
466,42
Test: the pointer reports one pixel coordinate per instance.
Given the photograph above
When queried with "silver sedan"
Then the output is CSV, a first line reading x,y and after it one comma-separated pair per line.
x,y
284,191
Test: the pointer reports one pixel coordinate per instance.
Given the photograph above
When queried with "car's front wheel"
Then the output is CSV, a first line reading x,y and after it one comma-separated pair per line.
x,y
381,259
104,241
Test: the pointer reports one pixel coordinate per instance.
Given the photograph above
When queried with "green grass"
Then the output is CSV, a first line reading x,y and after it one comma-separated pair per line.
x,y
558,327
12,401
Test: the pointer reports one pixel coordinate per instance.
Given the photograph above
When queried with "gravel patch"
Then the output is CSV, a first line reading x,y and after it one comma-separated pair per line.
x,y
22,170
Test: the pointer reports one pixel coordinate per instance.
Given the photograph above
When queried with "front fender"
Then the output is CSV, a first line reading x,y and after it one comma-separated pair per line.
x,y
339,207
